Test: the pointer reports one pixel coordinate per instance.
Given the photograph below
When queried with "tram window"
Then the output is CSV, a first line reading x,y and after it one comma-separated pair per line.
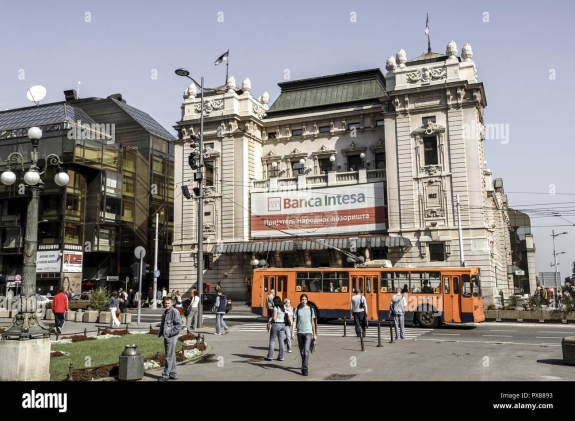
x,y
387,282
302,280
340,281
375,284
265,284
282,283
368,284
465,285
476,285
456,285
272,282
434,281
353,284
446,284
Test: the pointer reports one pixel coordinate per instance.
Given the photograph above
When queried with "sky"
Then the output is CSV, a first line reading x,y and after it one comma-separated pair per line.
x,y
522,49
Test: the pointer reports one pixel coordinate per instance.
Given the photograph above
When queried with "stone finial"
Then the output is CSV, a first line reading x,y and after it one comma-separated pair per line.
x,y
451,49
401,58
265,98
467,52
191,91
246,85
231,83
390,64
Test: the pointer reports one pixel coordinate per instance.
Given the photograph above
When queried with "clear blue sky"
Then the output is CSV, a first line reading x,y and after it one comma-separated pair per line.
x,y
116,47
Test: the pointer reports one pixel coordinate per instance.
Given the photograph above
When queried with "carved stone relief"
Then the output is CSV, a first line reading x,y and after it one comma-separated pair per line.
x,y
210,105
426,75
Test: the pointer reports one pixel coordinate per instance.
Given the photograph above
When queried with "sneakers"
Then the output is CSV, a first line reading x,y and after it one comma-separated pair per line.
x,y
289,350
163,379
217,333
227,331
304,371
280,359
58,329
173,378
268,359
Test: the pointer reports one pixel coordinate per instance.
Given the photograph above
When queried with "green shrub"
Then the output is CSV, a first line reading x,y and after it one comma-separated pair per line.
x,y
513,301
99,299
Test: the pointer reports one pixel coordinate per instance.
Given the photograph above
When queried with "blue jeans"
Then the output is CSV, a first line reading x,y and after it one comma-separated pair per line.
x,y
220,322
304,343
398,321
277,330
287,331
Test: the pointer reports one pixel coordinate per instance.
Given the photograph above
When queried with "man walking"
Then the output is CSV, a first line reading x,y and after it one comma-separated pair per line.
x,y
150,299
169,328
270,303
60,307
359,310
221,302
397,310
192,316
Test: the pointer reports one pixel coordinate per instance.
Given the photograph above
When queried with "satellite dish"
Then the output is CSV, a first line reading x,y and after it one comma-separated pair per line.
x,y
36,94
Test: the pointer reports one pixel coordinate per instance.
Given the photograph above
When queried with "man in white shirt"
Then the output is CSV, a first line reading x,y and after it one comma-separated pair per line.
x,y
359,310
397,311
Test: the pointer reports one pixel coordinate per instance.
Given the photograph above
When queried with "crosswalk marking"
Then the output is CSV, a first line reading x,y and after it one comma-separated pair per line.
x,y
323,330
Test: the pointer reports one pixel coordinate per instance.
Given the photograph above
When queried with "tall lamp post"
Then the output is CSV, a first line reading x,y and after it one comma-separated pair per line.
x,y
555,254
198,176
26,324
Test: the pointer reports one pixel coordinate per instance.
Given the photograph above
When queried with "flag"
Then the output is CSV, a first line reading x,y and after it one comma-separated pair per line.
x,y
427,25
222,58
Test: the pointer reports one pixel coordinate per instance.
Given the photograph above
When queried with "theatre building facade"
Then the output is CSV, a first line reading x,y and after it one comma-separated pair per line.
x,y
361,164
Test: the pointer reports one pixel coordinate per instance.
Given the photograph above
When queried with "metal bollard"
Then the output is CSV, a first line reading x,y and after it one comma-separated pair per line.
x,y
379,345
344,328
85,332
391,331
362,344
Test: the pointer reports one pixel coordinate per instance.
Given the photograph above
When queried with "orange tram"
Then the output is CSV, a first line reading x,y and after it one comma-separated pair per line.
x,y
433,295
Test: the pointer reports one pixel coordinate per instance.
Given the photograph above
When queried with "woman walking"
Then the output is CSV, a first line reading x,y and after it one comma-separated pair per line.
x,y
289,311
277,330
305,325
178,302
114,304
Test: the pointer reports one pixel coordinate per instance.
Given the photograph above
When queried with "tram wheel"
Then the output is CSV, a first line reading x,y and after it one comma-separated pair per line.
x,y
427,319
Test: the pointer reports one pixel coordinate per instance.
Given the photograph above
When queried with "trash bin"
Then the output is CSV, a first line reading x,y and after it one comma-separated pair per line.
x,y
131,365
568,347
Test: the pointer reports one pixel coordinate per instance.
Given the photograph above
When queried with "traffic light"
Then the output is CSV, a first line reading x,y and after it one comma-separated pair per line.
x,y
147,268
135,270
193,161
186,192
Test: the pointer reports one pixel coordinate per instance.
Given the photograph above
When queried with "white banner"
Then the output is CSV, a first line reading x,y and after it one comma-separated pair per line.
x,y
72,261
48,261
336,210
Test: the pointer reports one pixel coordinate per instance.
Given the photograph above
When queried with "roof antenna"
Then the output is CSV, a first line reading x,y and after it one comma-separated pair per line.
x,y
427,33
36,94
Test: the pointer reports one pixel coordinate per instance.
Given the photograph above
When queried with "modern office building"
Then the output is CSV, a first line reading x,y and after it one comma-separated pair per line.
x,y
120,163
379,166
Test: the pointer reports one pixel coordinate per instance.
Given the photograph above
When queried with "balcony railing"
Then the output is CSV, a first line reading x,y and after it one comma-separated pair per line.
x,y
332,178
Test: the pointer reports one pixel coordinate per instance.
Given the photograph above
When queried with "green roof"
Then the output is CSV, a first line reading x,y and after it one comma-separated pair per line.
x,y
329,90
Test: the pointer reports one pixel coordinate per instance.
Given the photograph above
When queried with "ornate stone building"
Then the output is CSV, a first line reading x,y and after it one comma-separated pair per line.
x,y
359,163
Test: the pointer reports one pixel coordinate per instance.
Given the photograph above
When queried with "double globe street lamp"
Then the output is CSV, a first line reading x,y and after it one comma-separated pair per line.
x,y
26,323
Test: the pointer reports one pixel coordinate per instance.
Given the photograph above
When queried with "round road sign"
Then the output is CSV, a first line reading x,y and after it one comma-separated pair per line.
x,y
157,273
18,277
140,252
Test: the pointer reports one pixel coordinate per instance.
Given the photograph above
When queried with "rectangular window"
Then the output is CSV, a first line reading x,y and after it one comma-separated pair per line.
x,y
308,282
336,281
380,122
387,282
297,132
272,135
297,168
380,161
351,126
272,172
436,252
424,120
430,150
209,173
319,259
354,163
324,129
325,165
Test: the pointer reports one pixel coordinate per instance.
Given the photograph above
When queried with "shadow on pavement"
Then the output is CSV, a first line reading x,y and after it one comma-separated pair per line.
x,y
552,362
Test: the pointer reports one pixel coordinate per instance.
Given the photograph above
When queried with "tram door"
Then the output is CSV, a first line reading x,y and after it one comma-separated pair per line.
x,y
367,285
451,305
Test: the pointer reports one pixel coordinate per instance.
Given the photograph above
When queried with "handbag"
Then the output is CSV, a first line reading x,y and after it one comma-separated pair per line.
x,y
118,312
287,320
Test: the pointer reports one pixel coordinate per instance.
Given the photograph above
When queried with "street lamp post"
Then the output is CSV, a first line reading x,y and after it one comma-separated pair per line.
x,y
198,176
26,324
555,254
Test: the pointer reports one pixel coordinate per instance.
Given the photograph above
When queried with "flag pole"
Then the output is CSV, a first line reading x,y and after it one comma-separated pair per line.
x,y
428,44
227,64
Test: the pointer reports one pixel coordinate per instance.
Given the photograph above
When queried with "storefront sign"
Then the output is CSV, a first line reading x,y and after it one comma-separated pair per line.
x,y
48,261
314,212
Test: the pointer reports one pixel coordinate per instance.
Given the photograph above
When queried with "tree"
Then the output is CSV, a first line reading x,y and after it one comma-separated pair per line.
x,y
99,299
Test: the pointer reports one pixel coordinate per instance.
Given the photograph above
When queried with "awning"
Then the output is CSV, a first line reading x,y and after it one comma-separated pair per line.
x,y
308,244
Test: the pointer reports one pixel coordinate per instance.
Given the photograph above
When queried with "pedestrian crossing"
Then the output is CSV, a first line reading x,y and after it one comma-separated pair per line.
x,y
335,330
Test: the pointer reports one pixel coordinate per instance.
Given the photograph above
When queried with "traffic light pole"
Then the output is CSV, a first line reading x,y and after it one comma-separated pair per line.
x,y
156,262
140,287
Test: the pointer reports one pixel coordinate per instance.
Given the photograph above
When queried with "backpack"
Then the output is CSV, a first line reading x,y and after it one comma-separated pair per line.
x,y
187,307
